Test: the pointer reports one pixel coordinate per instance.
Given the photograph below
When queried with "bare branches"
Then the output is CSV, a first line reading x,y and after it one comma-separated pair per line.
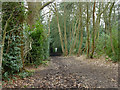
x,y
104,9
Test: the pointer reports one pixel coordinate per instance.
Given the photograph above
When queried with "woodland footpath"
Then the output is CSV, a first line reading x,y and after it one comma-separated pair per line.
x,y
76,42
70,72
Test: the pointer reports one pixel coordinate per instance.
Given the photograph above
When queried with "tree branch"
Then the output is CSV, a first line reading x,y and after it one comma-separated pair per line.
x,y
46,4
103,10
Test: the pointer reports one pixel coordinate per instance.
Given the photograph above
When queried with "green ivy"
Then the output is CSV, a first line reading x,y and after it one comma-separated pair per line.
x,y
11,62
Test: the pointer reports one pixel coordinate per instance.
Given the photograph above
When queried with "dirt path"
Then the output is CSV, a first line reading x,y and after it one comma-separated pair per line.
x,y
73,72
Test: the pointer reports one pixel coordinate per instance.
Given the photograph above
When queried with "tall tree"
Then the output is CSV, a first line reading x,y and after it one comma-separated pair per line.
x,y
105,17
111,27
97,23
33,12
59,30
34,9
88,33
93,34
65,36
0,34
81,31
73,37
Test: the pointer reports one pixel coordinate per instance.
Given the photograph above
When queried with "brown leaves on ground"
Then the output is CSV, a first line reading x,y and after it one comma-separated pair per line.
x,y
71,72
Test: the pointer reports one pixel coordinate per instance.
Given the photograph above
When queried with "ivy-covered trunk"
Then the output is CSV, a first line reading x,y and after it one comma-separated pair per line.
x,y
12,20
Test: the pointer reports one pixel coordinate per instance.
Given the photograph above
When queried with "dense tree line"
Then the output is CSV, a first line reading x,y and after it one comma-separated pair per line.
x,y
85,24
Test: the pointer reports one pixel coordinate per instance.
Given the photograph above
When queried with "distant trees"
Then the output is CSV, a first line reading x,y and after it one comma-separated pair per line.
x,y
83,28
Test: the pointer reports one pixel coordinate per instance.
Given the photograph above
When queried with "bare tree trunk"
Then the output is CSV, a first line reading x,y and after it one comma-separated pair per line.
x,y
106,27
97,23
65,36
111,27
49,25
70,33
32,13
81,36
73,36
60,34
88,33
34,9
93,35
85,47
77,34
59,30
105,34
73,27
0,43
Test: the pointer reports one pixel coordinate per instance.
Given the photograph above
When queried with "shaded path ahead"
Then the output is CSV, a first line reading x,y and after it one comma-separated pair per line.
x,y
73,72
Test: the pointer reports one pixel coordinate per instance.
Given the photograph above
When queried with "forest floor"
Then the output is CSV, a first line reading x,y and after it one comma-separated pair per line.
x,y
71,72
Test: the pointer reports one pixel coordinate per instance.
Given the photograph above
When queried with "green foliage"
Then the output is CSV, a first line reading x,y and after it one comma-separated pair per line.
x,y
11,55
24,74
100,46
40,44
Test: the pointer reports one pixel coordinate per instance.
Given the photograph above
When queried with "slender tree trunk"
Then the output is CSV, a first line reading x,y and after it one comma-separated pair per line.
x,y
59,30
106,28
1,43
88,33
77,34
73,37
111,27
81,36
93,34
97,24
105,33
85,46
65,36
49,25
98,27
78,28
60,34
73,27
70,34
